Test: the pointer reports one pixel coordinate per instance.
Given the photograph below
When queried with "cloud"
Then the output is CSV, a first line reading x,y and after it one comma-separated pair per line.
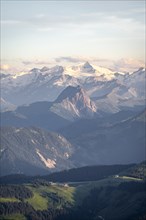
x,y
84,20
35,62
128,65
4,67
122,65
77,59
11,22
27,62
40,15
91,26
68,59
45,29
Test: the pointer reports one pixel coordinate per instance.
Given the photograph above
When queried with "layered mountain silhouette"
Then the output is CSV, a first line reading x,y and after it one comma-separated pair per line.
x,y
110,90
72,104
122,142
96,115
36,151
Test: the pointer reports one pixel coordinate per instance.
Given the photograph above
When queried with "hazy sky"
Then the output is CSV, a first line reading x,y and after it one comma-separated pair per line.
x,y
41,30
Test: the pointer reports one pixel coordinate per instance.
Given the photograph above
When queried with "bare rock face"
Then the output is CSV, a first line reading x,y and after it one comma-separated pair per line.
x,y
88,68
74,103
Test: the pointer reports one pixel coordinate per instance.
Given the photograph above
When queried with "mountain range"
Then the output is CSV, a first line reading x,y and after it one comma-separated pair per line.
x,y
111,91
63,117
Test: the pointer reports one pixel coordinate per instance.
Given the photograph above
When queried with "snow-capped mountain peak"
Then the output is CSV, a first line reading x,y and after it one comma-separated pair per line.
x,y
84,70
99,82
87,65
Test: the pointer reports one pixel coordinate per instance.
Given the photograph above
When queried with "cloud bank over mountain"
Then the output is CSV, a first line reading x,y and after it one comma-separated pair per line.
x,y
121,65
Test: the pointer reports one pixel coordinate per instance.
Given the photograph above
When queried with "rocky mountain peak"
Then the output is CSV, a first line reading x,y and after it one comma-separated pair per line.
x,y
74,102
44,69
88,68
69,93
57,69
35,70
87,65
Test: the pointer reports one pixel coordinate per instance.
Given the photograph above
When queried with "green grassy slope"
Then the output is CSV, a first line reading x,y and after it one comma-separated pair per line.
x,y
105,197
8,199
51,196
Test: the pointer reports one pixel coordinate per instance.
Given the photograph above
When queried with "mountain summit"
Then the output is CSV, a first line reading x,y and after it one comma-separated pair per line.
x,y
87,65
69,93
74,103
88,68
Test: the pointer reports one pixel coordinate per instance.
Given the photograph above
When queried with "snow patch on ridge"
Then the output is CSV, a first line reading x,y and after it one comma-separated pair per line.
x,y
17,130
1,150
32,141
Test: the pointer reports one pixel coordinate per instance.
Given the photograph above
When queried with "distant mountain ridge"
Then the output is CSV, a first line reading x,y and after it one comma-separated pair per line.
x,y
121,142
115,90
72,104
87,173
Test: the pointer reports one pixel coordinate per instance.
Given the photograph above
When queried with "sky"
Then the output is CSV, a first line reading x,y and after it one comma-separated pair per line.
x,y
48,32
